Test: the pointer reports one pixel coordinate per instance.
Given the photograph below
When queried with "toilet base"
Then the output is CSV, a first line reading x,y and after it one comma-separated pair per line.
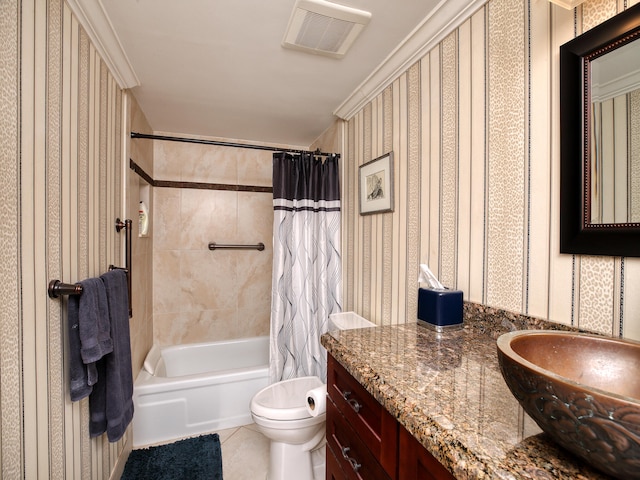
x,y
289,462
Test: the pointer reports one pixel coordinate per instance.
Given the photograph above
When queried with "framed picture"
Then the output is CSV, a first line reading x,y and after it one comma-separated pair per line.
x,y
376,185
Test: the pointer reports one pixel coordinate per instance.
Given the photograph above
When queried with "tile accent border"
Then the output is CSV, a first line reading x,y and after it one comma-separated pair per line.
x,y
196,185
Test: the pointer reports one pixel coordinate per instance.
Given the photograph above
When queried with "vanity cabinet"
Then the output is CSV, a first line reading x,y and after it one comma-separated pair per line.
x,y
416,462
365,441
361,434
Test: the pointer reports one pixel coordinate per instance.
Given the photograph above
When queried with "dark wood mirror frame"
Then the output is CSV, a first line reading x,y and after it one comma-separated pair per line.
x,y
577,235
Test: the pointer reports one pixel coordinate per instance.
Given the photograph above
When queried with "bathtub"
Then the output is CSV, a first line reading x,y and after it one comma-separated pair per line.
x,y
190,389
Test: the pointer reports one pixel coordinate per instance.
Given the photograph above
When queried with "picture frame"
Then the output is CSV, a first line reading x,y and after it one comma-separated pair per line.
x,y
375,180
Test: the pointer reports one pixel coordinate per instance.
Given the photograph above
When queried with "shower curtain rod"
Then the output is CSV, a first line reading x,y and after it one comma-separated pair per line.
x,y
227,144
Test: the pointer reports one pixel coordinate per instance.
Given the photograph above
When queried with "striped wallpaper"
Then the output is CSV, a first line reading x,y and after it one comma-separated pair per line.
x,y
473,126
61,119
474,130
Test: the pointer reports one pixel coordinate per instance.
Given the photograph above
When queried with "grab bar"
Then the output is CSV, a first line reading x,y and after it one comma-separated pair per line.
x,y
216,246
127,248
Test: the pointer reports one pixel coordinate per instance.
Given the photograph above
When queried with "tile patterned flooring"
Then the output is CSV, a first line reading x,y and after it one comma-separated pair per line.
x,y
245,454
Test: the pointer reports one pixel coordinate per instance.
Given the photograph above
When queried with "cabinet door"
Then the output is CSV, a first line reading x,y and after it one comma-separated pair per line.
x,y
334,472
373,424
352,455
416,462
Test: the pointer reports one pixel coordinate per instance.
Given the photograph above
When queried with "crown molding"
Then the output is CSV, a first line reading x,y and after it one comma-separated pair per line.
x,y
445,18
614,88
94,19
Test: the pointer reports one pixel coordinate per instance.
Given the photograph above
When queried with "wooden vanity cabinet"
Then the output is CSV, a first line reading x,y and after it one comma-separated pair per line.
x,y
365,442
361,434
350,453
416,462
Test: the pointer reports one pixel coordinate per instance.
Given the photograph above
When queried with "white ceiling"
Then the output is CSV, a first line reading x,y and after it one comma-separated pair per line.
x,y
217,68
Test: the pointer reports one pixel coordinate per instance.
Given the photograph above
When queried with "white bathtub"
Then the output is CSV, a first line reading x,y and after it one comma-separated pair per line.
x,y
196,388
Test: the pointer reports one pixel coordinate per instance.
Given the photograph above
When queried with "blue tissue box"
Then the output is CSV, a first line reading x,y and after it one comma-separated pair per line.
x,y
440,308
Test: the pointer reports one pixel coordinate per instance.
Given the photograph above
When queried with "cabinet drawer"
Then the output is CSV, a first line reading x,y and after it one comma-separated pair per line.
x,y
353,457
373,425
333,469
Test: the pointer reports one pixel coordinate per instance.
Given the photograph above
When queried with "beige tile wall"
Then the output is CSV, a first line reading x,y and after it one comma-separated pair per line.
x,y
202,295
330,141
141,151
474,130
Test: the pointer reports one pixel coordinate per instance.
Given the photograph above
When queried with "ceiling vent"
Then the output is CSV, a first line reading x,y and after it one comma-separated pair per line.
x,y
324,28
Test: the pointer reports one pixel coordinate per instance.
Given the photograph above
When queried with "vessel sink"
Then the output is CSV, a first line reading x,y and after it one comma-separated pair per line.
x,y
582,389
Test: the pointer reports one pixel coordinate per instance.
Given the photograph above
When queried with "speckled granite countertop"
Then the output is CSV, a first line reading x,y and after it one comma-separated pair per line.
x,y
447,390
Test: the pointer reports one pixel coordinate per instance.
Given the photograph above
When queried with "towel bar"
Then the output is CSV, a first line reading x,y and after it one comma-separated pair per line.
x,y
57,289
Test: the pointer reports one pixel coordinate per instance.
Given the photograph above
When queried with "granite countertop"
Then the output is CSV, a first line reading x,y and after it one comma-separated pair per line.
x,y
448,392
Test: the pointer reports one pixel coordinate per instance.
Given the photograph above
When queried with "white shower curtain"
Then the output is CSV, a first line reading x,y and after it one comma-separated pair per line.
x,y
307,275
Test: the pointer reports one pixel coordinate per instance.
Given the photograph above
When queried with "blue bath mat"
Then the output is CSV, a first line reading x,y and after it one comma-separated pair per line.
x,y
196,458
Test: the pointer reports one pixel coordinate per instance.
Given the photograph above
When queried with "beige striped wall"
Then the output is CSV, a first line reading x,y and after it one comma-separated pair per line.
x,y
62,175
474,130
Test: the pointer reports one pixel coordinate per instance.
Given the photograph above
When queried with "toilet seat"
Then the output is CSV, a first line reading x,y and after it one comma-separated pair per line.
x,y
284,400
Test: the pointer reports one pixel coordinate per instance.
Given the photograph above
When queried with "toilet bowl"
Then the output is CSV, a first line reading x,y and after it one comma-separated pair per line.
x,y
280,413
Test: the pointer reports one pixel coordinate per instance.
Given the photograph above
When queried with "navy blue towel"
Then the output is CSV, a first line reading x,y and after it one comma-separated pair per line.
x,y
111,402
89,336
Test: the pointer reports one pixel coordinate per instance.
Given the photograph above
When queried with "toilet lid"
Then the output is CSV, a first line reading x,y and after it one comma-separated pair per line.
x,y
284,400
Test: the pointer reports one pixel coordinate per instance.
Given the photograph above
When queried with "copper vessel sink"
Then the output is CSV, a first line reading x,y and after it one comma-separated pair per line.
x,y
582,389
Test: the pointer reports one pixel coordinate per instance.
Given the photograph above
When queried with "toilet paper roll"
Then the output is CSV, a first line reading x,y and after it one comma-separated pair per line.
x,y
317,401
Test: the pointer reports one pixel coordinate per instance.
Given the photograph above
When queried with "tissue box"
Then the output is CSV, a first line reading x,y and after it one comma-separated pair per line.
x,y
440,308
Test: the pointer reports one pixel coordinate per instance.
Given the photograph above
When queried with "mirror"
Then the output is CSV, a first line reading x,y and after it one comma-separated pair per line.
x,y
614,136
600,139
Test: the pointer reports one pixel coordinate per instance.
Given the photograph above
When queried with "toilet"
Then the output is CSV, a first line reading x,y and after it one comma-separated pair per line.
x,y
280,414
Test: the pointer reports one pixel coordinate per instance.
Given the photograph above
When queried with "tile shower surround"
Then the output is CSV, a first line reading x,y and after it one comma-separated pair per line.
x,y
212,194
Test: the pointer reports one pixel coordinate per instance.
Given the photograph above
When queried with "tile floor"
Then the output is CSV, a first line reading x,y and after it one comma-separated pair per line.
x,y
245,454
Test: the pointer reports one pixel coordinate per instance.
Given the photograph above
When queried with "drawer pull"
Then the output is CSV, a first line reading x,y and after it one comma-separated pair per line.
x,y
354,463
352,401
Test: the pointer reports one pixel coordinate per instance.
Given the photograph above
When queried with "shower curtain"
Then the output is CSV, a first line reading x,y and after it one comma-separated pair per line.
x,y
307,275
